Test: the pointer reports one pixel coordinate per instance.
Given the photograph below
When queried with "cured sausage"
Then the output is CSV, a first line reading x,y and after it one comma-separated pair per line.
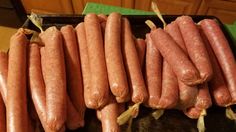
x,y
103,20
223,53
3,75
176,58
83,52
109,115
195,47
2,115
17,116
55,79
114,60
133,68
153,73
73,70
99,92
187,94
217,85
141,50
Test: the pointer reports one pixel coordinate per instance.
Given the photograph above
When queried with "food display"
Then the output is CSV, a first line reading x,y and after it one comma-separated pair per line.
x,y
56,79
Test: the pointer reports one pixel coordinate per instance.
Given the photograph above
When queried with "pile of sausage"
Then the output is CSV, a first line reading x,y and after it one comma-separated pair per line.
x,y
48,84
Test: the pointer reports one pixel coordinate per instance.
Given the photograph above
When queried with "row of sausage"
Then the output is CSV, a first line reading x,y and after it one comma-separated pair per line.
x,y
52,78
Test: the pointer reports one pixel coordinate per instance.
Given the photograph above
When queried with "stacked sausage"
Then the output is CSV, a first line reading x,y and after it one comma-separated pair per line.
x,y
100,65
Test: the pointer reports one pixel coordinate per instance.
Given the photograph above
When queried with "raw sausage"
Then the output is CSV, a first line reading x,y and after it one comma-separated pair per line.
x,y
114,60
82,45
217,85
99,92
36,83
170,91
109,115
176,58
73,70
55,78
222,52
133,68
153,73
3,75
74,119
141,49
195,47
203,100
187,94
17,116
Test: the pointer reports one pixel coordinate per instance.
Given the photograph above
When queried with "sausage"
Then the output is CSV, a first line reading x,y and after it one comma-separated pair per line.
x,y
203,100
55,79
36,83
141,49
17,116
73,70
195,47
115,66
74,119
99,92
2,115
223,53
217,85
193,112
109,115
3,75
133,68
187,94
153,73
82,45
176,58
170,91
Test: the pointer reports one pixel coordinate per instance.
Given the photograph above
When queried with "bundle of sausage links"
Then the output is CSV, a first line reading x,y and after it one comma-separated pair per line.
x,y
48,84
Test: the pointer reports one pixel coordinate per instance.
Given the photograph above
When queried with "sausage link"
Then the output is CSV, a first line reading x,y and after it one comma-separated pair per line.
x,y
17,116
3,75
203,100
55,79
99,92
83,52
170,91
153,73
184,99
195,47
114,61
36,83
141,50
176,58
193,112
133,68
222,52
73,70
109,115
217,85
2,115
74,119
